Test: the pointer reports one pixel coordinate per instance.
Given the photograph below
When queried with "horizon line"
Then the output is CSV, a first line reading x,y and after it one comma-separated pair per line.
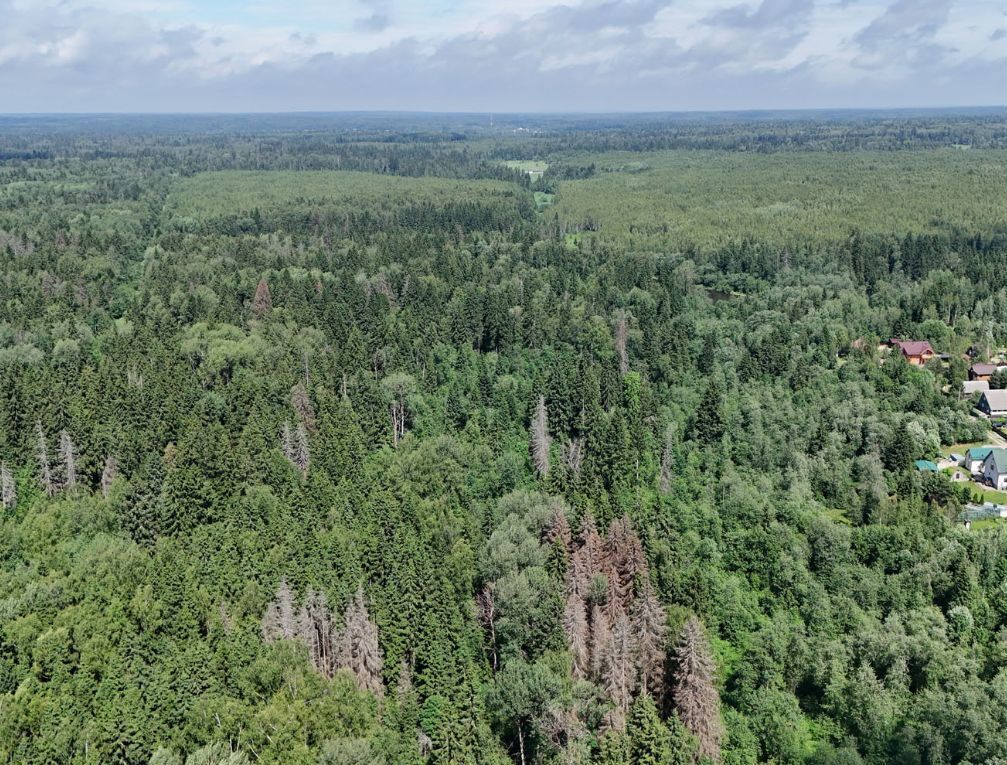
x,y
505,112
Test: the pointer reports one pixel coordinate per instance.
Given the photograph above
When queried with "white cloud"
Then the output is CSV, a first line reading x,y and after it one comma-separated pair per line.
x,y
90,55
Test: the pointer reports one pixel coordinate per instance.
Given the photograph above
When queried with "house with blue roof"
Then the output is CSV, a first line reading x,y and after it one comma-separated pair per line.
x,y
995,468
974,458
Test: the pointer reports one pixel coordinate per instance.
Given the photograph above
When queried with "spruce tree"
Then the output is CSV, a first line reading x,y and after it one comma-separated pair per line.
x,y
900,450
649,739
708,421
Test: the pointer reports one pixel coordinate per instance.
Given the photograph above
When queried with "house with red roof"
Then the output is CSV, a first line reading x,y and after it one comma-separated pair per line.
x,y
917,352
982,371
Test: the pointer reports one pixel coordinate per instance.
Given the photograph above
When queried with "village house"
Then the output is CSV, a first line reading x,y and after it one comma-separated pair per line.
x,y
974,458
982,371
917,352
995,468
993,403
970,387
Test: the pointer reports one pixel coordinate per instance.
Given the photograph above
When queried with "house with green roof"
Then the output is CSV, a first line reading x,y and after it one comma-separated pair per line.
x,y
926,466
974,458
995,468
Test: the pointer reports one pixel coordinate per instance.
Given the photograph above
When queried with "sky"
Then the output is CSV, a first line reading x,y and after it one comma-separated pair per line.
x,y
499,55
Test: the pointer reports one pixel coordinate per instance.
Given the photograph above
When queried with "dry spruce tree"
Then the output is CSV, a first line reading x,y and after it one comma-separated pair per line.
x,y
108,475
540,438
697,701
45,478
8,489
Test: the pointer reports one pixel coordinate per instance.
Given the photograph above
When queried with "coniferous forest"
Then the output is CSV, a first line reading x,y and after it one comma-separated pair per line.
x,y
413,440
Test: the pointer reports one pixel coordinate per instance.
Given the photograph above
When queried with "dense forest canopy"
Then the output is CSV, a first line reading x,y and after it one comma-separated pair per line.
x,y
418,439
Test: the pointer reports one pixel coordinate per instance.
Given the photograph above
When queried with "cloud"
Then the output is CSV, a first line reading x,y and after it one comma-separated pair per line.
x,y
597,55
378,18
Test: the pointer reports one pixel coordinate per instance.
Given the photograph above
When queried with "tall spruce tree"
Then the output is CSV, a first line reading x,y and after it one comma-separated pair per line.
x,y
708,424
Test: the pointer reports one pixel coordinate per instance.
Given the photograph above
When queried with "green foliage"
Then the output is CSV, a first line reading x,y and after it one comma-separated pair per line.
x,y
315,356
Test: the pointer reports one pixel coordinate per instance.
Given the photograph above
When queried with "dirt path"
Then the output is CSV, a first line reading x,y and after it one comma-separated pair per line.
x,y
996,439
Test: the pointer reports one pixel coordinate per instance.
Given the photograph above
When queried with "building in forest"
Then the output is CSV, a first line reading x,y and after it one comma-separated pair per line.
x,y
995,468
993,403
917,352
974,458
970,387
982,371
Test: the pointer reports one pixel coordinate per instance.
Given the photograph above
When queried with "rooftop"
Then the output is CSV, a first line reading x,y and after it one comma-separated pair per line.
x,y
978,452
913,347
996,399
999,459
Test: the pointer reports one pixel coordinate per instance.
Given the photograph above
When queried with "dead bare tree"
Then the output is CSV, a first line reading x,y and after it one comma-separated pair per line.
x,y
280,620
262,303
45,478
68,460
618,668
301,403
399,387
621,336
624,560
564,727
577,634
572,454
294,445
302,453
486,603
601,639
540,438
588,560
108,475
667,457
359,650
8,489
318,632
559,530
649,625
697,701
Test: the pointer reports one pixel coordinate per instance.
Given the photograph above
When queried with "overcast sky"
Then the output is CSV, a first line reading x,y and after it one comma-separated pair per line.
x,y
498,55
